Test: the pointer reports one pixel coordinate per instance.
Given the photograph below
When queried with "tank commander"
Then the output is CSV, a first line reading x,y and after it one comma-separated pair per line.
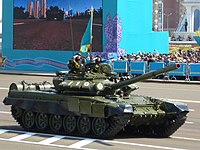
x,y
77,63
97,59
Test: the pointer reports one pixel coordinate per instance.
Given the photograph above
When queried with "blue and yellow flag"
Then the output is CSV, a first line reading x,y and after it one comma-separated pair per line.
x,y
87,37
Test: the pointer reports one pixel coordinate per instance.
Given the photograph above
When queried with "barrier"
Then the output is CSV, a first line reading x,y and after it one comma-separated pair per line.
x,y
156,66
194,70
120,66
137,68
178,72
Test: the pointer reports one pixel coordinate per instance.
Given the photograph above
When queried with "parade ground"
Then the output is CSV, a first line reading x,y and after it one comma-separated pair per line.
x,y
12,136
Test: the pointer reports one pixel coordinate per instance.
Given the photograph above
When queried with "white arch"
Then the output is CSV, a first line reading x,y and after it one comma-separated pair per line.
x,y
196,19
191,6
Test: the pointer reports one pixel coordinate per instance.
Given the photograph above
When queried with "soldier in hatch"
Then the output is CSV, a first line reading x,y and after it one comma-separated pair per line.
x,y
97,61
77,64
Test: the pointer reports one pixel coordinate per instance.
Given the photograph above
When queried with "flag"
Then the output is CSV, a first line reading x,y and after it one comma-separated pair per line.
x,y
87,36
85,48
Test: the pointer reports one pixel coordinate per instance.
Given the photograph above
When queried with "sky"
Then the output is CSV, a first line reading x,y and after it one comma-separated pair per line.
x,y
75,5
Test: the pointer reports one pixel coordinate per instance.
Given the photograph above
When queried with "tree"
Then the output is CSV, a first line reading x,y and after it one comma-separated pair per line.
x,y
19,13
54,13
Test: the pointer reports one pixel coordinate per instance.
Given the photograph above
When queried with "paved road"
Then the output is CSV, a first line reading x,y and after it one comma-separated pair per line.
x,y
187,137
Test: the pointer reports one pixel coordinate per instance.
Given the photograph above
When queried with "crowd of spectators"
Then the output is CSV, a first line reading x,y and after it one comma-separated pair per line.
x,y
179,56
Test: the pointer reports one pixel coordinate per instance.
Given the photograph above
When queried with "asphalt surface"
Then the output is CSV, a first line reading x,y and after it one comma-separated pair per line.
x,y
33,34
186,138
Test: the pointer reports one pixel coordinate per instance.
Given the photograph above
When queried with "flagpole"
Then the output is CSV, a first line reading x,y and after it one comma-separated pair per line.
x,y
72,35
92,14
86,42
71,30
91,53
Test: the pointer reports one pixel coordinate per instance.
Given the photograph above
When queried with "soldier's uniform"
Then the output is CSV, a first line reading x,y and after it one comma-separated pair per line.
x,y
77,64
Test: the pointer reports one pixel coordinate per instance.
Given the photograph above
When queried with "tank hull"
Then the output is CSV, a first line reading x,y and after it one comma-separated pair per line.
x,y
95,116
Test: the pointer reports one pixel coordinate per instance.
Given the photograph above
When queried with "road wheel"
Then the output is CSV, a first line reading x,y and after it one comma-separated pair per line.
x,y
69,124
55,122
41,121
16,112
28,119
83,125
99,126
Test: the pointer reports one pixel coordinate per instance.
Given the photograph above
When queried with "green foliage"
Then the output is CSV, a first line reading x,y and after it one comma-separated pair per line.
x,y
20,14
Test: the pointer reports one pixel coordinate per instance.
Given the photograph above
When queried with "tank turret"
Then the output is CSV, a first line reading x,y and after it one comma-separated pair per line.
x,y
90,82
95,81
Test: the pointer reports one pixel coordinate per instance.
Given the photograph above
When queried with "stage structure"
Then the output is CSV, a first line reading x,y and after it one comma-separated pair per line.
x,y
192,14
33,41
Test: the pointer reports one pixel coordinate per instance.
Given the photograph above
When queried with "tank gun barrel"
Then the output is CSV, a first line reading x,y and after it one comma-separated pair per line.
x,y
144,76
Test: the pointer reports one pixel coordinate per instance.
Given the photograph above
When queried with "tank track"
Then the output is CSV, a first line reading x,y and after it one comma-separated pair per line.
x,y
169,127
162,130
114,125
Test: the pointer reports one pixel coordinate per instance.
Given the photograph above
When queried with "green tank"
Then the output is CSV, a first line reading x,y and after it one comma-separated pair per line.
x,y
94,103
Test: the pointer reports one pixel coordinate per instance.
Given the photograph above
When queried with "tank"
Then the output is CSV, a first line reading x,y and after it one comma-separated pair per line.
x,y
94,103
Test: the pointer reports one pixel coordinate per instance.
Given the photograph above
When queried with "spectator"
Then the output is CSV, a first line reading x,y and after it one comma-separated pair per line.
x,y
185,25
180,56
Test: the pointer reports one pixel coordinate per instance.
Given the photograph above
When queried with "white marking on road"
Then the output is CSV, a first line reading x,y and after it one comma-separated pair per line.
x,y
191,110
187,122
82,143
179,100
185,138
51,140
37,143
20,23
5,112
177,89
3,131
2,88
22,136
143,145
